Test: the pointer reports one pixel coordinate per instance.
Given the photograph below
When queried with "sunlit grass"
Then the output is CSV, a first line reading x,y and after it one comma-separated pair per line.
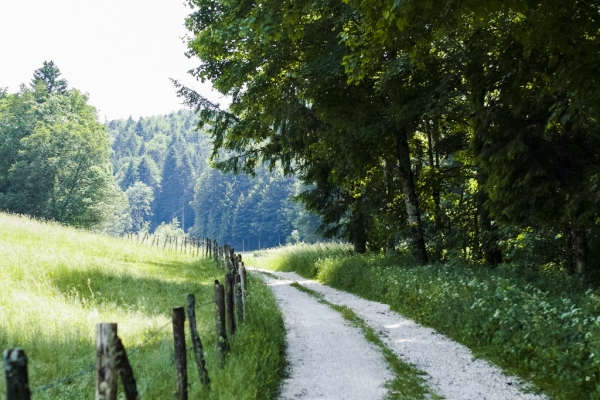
x,y
59,282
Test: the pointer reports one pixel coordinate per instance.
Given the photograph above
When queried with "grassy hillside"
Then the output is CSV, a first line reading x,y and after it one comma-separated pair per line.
x,y
59,282
540,324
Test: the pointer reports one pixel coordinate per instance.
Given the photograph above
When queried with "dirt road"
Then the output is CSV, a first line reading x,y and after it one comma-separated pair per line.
x,y
329,359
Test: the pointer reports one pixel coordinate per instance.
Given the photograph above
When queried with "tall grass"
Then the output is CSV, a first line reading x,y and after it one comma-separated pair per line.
x,y
59,282
539,324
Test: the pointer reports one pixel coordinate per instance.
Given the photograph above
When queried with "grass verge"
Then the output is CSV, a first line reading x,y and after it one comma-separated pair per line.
x,y
408,382
541,325
59,282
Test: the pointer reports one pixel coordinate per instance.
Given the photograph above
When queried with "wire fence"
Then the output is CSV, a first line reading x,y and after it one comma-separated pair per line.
x,y
153,380
220,256
91,368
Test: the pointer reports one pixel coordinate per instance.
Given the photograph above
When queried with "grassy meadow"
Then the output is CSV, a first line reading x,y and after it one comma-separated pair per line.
x,y
540,324
59,282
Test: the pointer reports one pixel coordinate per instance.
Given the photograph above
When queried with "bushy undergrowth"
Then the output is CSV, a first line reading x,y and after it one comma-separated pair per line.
x,y
542,324
58,283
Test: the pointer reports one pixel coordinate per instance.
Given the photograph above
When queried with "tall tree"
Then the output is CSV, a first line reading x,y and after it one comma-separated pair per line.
x,y
48,75
55,162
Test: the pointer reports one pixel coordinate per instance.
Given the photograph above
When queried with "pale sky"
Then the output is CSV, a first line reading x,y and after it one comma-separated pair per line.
x,y
121,52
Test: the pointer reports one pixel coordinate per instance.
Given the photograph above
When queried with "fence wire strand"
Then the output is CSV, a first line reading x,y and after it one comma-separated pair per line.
x,y
205,304
153,379
91,368
148,339
61,381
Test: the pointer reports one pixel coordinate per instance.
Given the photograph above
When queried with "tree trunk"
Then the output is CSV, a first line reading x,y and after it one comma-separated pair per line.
x,y
580,249
389,175
359,232
434,164
569,250
410,199
491,252
488,233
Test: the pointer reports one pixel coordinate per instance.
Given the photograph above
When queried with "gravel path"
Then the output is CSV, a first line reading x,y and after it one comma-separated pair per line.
x,y
451,369
328,358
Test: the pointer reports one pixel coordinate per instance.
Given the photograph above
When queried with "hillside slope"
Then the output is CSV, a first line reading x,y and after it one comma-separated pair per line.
x,y
59,282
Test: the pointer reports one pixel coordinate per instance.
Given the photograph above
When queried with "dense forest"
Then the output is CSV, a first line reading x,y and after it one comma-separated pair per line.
x,y
466,130
154,174
163,165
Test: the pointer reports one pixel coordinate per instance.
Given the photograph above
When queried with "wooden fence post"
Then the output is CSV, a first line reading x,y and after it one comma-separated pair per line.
x,y
222,345
125,371
106,377
196,342
243,284
242,270
17,380
216,251
239,304
178,317
229,305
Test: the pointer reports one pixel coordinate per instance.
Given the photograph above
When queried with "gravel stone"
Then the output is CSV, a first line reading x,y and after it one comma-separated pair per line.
x,y
452,371
328,358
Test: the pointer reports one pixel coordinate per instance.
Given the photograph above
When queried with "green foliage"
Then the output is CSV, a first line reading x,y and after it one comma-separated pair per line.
x,y
540,324
140,197
69,280
55,156
48,76
172,229
166,154
463,125
258,208
257,362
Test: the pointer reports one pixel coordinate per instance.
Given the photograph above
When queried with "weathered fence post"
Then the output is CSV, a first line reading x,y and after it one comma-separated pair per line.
x,y
106,377
242,270
125,371
17,380
196,342
178,316
229,305
222,344
216,251
239,304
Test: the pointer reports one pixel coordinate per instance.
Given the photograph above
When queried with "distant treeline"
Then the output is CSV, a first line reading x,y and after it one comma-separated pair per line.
x,y
162,164
57,162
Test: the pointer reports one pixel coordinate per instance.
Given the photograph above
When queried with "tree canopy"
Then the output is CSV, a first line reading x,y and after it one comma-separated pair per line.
x,y
54,155
455,129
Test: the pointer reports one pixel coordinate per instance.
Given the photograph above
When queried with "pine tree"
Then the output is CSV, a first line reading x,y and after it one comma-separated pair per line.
x,y
49,76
